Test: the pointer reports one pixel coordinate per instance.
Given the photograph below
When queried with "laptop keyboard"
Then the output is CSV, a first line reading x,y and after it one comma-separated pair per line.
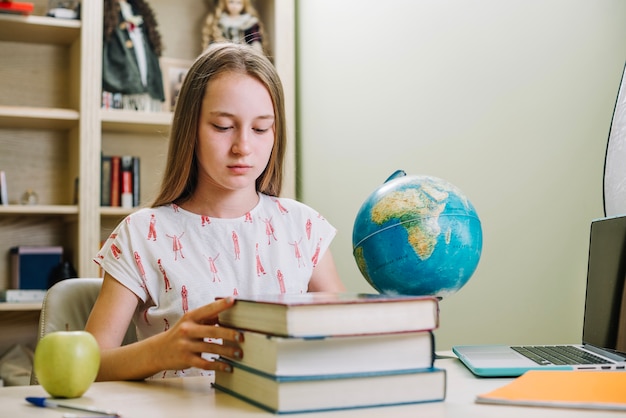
x,y
559,354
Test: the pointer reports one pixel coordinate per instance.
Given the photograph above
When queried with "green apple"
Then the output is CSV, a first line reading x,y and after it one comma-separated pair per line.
x,y
66,363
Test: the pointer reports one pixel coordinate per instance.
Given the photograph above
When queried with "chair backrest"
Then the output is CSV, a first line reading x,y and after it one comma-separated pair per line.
x,y
67,305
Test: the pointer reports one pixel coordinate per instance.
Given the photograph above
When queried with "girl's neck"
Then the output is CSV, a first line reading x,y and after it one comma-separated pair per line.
x,y
226,205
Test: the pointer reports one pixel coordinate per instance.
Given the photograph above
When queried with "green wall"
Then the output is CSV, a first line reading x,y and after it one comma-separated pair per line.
x,y
509,100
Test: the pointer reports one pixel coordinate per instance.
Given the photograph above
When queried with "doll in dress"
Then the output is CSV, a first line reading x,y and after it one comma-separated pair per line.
x,y
131,51
235,21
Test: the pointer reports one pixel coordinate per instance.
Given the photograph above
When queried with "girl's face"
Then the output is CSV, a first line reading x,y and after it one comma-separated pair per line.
x,y
235,133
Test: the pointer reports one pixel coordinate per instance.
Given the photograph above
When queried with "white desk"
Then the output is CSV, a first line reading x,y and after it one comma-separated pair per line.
x,y
193,397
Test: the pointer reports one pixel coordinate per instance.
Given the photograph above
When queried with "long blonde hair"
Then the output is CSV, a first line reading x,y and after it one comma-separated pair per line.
x,y
180,178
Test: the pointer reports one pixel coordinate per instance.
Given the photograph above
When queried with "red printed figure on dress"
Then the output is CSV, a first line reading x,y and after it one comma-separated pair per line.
x,y
316,255
236,248
166,281
269,230
297,253
281,281
213,267
152,228
177,245
115,251
259,266
281,208
185,300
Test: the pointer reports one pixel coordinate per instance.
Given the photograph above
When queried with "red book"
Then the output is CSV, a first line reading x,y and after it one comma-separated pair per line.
x,y
16,7
127,181
116,178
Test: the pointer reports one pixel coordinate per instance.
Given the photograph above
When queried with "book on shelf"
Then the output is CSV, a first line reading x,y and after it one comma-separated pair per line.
x,y
4,195
116,172
293,356
22,295
579,389
331,392
32,266
120,181
331,314
105,180
126,189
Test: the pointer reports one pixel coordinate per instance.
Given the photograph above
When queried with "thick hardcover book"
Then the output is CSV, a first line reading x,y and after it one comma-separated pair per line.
x,y
284,356
136,182
116,180
4,195
126,195
31,267
321,314
584,389
105,181
321,393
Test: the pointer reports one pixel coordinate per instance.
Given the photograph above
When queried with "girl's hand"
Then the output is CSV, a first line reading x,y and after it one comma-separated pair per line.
x,y
182,346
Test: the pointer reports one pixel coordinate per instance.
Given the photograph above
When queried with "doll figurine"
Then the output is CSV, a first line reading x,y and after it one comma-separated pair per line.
x,y
131,50
235,21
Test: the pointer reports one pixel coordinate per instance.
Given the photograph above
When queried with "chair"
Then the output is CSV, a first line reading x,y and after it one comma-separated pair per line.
x,y
66,307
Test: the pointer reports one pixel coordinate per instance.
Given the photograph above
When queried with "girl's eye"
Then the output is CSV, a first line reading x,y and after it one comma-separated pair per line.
x,y
221,128
260,130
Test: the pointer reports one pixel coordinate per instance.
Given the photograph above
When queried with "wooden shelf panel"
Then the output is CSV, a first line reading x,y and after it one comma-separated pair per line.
x,y
38,117
37,210
38,29
135,122
22,306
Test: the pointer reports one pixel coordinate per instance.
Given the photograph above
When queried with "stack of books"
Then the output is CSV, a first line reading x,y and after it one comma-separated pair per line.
x,y
120,181
326,351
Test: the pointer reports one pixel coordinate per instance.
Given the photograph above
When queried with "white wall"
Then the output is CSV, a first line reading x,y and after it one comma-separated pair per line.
x,y
509,100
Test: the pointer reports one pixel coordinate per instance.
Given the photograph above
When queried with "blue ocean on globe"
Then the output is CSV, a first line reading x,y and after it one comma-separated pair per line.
x,y
417,235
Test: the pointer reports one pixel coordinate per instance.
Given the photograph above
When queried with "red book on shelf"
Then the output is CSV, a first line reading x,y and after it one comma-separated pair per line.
x,y
116,178
127,181
16,7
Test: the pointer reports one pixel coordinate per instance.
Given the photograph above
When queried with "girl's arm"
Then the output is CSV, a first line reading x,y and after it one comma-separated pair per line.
x,y
178,348
325,277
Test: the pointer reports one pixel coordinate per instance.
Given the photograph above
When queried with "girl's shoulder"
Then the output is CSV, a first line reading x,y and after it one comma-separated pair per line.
x,y
284,205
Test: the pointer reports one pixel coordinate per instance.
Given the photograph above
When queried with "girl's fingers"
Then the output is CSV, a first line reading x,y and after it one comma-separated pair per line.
x,y
208,313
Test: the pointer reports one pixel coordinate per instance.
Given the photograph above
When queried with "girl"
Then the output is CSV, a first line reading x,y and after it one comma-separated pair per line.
x,y
216,229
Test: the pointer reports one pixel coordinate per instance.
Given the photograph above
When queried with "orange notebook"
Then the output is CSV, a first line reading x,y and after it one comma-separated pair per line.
x,y
563,389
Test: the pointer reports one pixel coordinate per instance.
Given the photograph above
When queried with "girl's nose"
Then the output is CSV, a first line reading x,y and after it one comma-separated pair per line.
x,y
241,142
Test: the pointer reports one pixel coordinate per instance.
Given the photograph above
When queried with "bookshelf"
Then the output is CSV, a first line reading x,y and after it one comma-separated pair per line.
x,y
53,131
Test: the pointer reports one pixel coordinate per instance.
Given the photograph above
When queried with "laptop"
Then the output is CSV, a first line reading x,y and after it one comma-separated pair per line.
x,y
604,327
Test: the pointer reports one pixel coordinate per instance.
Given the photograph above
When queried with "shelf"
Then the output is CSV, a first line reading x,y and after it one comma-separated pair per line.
x,y
21,306
136,122
36,210
38,118
38,29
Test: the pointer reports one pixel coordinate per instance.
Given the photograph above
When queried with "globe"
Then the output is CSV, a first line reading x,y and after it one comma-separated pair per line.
x,y
417,235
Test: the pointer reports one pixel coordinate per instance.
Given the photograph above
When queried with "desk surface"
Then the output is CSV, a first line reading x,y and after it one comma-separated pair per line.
x,y
193,397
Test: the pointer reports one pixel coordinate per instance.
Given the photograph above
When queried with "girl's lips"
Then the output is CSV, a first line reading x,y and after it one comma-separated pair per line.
x,y
239,168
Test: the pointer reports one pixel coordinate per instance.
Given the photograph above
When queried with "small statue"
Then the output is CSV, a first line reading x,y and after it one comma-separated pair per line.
x,y
235,21
131,51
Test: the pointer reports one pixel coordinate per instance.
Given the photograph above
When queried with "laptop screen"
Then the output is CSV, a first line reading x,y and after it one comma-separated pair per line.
x,y
605,313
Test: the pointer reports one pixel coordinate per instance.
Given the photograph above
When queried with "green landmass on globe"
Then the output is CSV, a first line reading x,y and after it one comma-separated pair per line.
x,y
417,235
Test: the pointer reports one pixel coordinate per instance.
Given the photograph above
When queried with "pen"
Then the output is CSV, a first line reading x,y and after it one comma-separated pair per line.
x,y
47,403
